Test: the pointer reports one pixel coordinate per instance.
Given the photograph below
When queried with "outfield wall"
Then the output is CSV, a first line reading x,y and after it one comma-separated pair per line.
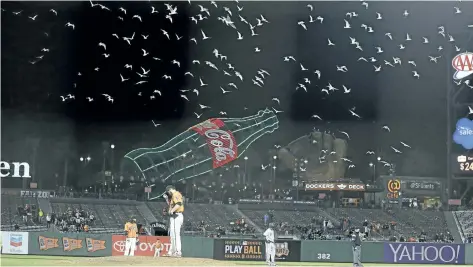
x,y
92,245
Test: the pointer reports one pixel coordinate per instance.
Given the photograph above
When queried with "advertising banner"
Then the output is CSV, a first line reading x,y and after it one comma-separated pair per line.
x,y
254,250
79,244
146,245
14,242
424,253
331,186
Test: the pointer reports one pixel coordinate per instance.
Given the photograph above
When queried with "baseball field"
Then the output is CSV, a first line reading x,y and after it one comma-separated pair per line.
x,y
33,260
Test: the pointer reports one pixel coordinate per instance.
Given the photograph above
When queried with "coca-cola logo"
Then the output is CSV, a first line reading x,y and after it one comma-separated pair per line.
x,y
221,143
221,148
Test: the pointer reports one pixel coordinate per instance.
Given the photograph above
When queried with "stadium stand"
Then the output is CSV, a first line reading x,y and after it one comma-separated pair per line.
x,y
110,215
213,216
465,219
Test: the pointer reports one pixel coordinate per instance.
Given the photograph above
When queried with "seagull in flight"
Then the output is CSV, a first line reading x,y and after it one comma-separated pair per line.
x,y
224,91
385,127
434,59
166,34
123,79
354,114
347,24
396,150
138,17
405,145
330,42
204,37
54,11
70,25
346,90
202,82
316,116
470,110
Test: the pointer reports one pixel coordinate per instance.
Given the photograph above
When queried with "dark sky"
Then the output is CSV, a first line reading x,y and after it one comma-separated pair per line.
x,y
70,61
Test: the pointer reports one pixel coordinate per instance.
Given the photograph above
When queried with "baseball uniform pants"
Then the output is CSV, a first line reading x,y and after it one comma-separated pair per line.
x,y
130,245
175,225
357,256
270,253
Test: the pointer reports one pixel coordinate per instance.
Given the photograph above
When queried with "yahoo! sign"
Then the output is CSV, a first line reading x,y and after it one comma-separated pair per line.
x,y
422,253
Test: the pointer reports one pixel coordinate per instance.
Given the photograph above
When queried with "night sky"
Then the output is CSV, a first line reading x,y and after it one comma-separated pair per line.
x,y
71,91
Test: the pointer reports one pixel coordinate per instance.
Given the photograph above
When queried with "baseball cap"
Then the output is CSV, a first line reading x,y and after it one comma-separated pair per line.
x,y
357,230
169,187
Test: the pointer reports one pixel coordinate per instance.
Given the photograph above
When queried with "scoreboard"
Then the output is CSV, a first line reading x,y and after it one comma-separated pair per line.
x,y
463,165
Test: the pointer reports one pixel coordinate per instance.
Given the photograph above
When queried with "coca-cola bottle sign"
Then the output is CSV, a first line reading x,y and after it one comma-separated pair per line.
x,y
201,148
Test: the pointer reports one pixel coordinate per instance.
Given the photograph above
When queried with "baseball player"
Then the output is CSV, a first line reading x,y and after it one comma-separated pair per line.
x,y
356,239
176,208
270,237
131,231
158,247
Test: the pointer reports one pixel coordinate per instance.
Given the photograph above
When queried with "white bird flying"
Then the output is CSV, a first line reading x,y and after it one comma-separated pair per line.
x,y
137,17
405,145
347,25
204,37
202,82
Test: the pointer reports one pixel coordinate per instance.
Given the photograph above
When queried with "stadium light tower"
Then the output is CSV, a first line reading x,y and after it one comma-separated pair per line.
x,y
244,177
112,160
372,165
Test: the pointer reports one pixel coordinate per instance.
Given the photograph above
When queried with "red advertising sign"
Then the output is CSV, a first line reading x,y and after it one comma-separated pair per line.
x,y
145,247
221,143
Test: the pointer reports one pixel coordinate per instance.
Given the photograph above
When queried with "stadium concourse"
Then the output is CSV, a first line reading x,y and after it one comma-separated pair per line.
x,y
305,220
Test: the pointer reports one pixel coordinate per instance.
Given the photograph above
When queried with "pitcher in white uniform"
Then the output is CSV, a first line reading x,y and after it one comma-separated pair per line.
x,y
176,210
270,237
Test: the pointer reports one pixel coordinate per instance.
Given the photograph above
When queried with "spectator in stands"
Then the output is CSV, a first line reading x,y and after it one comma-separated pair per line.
x,y
23,213
422,236
365,227
48,220
40,215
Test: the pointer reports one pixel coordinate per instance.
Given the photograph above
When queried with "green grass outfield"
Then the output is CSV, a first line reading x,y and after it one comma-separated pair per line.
x,y
36,260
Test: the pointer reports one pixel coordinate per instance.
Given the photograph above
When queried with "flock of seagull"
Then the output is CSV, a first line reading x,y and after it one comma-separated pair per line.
x,y
252,27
